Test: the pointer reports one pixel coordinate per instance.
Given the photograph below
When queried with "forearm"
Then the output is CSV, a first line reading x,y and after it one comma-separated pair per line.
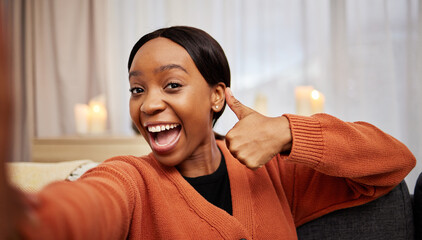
x,y
335,164
96,207
357,151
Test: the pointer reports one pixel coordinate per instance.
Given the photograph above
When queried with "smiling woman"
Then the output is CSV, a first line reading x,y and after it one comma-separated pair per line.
x,y
204,51
268,176
168,89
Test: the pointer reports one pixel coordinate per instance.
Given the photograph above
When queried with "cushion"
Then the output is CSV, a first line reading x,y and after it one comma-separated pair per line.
x,y
388,217
32,176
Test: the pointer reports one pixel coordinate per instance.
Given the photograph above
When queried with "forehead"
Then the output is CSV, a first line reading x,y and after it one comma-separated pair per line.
x,y
161,51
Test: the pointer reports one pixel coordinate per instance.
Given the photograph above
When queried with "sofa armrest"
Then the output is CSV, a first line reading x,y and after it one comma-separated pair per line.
x,y
388,217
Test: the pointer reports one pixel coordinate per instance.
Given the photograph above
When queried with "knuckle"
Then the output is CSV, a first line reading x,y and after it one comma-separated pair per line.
x,y
229,136
235,154
252,165
236,103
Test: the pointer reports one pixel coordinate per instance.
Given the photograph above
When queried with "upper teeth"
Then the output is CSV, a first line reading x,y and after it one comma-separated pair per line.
x,y
159,128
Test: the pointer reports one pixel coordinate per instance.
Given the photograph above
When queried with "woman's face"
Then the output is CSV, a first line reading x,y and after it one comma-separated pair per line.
x,y
171,103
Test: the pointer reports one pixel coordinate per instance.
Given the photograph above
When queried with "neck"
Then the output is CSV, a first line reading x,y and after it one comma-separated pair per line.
x,y
204,161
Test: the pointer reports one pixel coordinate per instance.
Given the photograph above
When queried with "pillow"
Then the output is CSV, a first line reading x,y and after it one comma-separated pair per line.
x,y
32,176
78,172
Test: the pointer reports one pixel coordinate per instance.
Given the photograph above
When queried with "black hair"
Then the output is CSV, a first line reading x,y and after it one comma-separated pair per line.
x,y
204,50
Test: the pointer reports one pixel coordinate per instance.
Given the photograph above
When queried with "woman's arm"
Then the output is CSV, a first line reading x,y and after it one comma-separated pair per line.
x,y
358,150
326,164
335,164
12,207
98,206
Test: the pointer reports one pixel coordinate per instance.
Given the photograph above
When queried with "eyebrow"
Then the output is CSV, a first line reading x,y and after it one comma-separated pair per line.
x,y
169,67
159,70
135,74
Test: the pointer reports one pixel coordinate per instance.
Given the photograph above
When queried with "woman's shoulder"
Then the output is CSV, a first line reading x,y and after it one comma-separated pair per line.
x,y
130,159
135,171
125,162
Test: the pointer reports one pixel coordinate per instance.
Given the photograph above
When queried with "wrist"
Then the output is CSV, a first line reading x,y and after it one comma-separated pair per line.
x,y
284,134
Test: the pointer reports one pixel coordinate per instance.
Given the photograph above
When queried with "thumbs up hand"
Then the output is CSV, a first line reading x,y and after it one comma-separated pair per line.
x,y
255,139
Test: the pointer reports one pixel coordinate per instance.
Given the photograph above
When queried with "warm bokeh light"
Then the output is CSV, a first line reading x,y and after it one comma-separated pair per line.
x,y
96,108
315,94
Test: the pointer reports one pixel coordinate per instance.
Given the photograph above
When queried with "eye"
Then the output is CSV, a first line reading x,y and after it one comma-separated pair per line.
x,y
136,90
173,85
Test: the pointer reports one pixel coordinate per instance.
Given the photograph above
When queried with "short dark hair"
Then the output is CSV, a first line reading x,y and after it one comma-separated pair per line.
x,y
204,50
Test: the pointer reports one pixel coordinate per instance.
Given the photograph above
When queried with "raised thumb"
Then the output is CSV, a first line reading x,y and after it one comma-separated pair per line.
x,y
236,106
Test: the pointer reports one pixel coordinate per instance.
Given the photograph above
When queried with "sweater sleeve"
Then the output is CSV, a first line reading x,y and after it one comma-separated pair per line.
x,y
335,164
97,206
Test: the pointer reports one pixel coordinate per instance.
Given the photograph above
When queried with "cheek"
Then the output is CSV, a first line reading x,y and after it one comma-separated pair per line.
x,y
198,100
134,107
197,108
134,111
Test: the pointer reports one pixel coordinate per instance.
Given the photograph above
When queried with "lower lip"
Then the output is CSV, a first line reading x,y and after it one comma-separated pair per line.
x,y
163,149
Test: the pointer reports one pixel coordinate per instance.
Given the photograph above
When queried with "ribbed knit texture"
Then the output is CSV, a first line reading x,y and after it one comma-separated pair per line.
x,y
332,165
308,142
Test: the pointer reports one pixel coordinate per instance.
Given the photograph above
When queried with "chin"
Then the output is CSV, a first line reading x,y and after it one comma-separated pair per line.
x,y
169,160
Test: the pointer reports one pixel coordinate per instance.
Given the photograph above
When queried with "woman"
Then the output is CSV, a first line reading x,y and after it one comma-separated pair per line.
x,y
268,176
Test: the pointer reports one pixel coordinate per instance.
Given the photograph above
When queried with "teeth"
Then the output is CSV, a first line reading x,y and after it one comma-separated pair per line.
x,y
163,127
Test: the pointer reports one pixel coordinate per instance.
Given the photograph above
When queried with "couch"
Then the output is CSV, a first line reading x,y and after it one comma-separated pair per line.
x,y
389,217
32,176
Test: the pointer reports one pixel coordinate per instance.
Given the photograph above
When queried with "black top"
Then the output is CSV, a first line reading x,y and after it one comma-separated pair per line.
x,y
215,188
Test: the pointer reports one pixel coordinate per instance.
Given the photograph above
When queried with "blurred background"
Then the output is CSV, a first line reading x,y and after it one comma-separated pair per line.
x,y
363,57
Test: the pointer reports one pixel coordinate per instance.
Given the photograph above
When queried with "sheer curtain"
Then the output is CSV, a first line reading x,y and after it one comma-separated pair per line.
x,y
13,35
365,56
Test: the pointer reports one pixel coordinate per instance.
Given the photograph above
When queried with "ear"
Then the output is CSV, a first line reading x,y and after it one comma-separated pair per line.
x,y
218,97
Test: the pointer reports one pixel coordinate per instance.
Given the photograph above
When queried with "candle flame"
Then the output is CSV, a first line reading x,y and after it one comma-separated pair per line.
x,y
315,94
96,108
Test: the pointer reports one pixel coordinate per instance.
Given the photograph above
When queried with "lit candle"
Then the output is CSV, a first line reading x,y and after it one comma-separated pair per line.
x,y
308,101
97,117
303,103
317,102
261,104
81,118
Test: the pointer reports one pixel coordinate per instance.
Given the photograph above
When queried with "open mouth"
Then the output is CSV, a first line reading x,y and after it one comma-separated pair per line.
x,y
163,137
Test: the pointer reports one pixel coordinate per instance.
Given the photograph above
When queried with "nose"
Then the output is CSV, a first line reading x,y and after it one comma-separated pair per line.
x,y
153,103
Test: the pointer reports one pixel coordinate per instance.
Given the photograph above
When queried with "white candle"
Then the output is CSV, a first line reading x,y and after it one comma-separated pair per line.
x,y
261,104
317,102
81,118
97,117
308,101
303,103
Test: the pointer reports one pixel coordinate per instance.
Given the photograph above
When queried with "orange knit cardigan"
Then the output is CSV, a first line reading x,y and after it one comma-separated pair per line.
x,y
332,165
